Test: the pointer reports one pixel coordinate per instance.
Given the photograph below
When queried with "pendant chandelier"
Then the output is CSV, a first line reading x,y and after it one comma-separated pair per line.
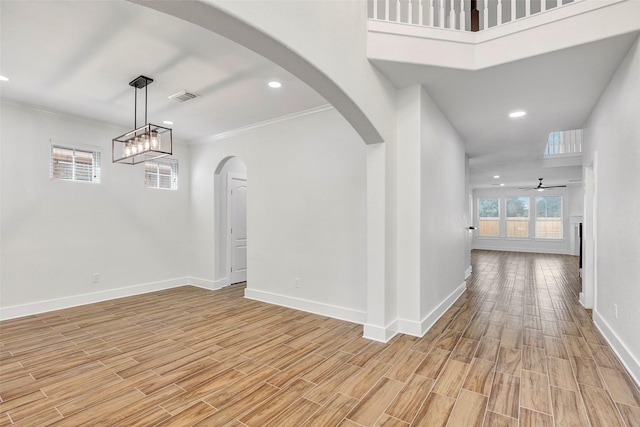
x,y
145,143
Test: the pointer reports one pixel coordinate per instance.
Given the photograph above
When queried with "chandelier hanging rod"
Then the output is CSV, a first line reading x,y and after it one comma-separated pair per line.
x,y
140,82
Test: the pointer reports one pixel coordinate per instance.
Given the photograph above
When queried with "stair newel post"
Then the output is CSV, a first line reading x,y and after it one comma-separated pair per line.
x,y
463,21
475,16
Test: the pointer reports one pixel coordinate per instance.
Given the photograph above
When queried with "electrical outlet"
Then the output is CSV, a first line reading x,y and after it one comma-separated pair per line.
x,y
615,307
297,282
96,277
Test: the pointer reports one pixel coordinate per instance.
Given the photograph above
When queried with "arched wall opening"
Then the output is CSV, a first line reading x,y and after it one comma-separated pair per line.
x,y
229,212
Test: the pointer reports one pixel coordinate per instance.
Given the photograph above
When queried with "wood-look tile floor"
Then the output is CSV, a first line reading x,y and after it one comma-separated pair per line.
x,y
515,349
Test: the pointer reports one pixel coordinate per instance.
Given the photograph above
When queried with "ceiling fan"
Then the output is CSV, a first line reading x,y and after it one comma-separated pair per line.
x,y
541,187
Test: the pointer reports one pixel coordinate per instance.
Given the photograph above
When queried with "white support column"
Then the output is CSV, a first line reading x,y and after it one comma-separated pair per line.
x,y
376,327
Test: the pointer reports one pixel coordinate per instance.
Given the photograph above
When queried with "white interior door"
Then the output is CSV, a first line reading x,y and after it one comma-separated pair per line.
x,y
237,227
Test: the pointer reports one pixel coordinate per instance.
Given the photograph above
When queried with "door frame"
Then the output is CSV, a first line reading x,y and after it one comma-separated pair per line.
x,y
229,258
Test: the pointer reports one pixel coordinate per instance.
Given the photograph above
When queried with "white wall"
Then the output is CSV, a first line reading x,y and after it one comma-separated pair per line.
x,y
433,247
56,234
306,213
442,236
613,130
503,243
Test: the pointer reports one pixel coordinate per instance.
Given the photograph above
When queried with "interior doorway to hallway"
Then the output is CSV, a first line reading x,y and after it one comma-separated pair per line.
x,y
231,190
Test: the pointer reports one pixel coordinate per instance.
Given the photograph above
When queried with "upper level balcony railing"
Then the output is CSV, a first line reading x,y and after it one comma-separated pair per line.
x,y
465,15
565,142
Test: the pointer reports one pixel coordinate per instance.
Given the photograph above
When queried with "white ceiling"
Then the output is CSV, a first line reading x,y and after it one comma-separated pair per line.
x,y
78,57
557,90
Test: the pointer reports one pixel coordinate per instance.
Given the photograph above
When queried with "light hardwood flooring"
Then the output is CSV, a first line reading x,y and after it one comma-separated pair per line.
x,y
515,349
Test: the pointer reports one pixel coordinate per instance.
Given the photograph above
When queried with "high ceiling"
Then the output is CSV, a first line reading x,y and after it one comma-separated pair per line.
x,y
557,90
78,57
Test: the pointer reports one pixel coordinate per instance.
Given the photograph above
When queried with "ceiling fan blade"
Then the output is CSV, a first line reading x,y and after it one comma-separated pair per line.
x,y
553,186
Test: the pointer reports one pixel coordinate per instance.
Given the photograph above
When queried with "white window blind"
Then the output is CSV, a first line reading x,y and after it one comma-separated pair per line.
x,y
75,164
161,173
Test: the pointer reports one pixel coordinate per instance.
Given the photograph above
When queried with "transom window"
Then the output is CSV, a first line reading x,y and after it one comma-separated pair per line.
x,y
161,173
75,164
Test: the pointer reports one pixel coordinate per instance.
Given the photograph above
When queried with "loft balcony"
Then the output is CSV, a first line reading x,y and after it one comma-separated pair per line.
x,y
472,35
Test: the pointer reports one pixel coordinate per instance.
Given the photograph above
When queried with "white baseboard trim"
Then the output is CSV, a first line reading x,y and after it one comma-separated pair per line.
x,y
412,327
37,307
626,357
336,312
380,334
431,318
418,329
468,272
523,249
212,285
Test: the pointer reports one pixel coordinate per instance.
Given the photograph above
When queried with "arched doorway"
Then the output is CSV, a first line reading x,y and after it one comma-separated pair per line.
x,y
231,189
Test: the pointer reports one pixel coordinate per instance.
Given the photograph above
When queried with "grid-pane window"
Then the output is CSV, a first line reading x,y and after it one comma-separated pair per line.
x,y
549,217
162,173
75,164
489,217
517,216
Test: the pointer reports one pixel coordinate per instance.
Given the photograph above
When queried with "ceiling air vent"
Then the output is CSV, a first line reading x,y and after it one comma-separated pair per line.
x,y
183,96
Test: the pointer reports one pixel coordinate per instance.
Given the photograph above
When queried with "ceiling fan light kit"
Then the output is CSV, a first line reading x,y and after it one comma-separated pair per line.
x,y
142,143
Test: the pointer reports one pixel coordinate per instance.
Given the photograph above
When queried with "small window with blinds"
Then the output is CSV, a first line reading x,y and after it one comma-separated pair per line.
x,y
161,173
75,164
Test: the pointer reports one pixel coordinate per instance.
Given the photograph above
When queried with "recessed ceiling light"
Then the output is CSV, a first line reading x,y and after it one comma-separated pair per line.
x,y
275,84
502,185
516,114
4,79
496,176
167,122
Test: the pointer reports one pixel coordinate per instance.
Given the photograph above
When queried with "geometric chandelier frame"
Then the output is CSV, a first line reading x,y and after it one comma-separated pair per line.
x,y
142,143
